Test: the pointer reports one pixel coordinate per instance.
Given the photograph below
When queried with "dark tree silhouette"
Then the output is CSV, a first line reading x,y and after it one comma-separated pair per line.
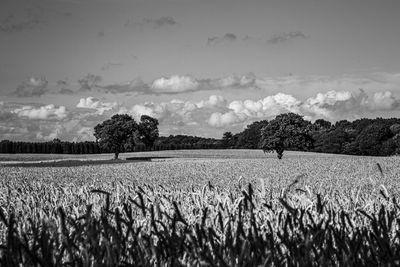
x,y
250,137
322,124
148,130
370,141
227,138
286,131
115,133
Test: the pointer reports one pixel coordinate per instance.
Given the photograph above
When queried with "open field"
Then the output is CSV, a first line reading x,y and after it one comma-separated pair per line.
x,y
215,153
246,198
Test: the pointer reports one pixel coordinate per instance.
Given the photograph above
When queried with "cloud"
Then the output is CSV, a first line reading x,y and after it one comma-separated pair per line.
x,y
155,23
213,101
227,38
42,113
94,103
231,81
332,105
5,115
54,133
174,84
178,112
135,86
72,130
245,111
177,84
335,105
34,86
277,38
218,119
206,117
308,85
383,101
63,87
285,37
89,82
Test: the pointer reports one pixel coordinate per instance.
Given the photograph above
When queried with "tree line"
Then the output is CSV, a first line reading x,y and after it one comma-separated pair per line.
x,y
373,137
368,137
57,146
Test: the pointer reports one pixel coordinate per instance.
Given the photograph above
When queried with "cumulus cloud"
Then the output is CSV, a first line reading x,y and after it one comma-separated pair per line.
x,y
285,37
213,101
207,117
384,101
333,105
72,130
215,112
54,133
43,112
84,134
219,119
244,111
174,84
178,112
226,38
155,23
34,86
94,103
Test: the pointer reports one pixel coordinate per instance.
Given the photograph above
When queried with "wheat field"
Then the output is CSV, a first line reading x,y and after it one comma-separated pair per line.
x,y
201,208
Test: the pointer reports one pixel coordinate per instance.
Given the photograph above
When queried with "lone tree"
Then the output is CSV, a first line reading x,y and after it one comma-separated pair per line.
x,y
286,131
122,130
114,133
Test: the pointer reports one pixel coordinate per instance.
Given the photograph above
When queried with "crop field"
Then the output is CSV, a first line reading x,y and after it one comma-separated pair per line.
x,y
200,208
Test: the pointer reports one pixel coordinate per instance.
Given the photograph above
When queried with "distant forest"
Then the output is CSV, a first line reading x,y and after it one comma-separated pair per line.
x,y
373,137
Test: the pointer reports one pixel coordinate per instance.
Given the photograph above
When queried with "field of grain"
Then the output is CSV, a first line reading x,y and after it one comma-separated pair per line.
x,y
219,207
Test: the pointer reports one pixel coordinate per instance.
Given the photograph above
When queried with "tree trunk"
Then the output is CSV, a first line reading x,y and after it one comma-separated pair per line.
x,y
279,152
116,155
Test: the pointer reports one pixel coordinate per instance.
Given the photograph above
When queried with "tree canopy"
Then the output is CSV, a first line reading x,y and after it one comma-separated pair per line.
x,y
286,131
116,132
148,130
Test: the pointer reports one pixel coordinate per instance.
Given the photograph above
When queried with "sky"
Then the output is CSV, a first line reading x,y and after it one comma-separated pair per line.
x,y
201,67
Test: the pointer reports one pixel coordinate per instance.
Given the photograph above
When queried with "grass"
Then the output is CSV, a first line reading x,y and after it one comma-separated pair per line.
x,y
243,209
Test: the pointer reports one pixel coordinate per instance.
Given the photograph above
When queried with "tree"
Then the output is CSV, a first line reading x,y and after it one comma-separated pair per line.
x,y
114,133
322,124
227,139
371,139
286,131
250,137
331,141
148,130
